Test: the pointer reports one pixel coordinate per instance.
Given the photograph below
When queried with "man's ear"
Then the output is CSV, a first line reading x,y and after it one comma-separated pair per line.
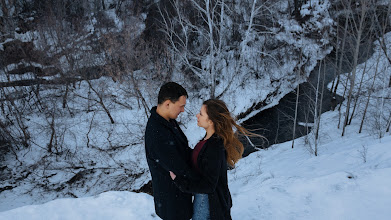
x,y
166,103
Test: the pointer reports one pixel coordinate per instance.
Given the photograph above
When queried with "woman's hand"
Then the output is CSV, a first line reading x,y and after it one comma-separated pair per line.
x,y
172,175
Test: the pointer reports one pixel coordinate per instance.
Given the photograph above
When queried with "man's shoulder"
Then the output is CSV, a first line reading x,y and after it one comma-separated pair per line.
x,y
155,118
154,126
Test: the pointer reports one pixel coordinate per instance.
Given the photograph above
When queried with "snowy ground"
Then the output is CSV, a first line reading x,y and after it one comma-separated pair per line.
x,y
349,179
337,184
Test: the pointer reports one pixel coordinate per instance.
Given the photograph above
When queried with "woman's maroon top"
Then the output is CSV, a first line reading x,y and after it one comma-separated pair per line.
x,y
195,153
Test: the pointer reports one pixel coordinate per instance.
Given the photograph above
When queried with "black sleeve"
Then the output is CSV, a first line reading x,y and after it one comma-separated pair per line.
x,y
210,166
165,153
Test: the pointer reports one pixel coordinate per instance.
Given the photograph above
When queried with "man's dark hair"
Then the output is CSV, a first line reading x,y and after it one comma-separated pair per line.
x,y
171,91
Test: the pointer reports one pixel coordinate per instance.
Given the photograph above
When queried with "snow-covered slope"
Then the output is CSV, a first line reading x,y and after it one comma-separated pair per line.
x,y
350,179
87,138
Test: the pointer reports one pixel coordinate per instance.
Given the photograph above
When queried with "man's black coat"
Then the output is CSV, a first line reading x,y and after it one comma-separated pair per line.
x,y
166,148
212,163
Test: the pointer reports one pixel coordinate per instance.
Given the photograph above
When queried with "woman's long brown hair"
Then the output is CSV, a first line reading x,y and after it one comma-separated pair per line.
x,y
223,123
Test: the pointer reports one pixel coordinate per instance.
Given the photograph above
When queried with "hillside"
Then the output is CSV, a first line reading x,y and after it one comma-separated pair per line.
x,y
349,179
78,80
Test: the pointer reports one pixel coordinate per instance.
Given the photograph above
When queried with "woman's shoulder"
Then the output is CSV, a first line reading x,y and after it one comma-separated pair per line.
x,y
215,137
216,140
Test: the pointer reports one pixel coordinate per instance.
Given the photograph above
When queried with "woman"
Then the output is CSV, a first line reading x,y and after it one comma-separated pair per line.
x,y
219,147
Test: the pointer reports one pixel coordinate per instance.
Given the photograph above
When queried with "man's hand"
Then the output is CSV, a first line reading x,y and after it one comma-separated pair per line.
x,y
172,175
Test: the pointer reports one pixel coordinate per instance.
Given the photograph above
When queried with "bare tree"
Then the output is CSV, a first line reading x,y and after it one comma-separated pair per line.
x,y
358,28
100,99
296,106
127,55
363,153
388,123
370,90
180,30
295,119
14,109
198,37
297,6
358,92
315,102
341,56
382,26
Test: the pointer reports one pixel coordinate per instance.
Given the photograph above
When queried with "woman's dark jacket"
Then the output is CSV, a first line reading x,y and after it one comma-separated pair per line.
x,y
212,163
167,149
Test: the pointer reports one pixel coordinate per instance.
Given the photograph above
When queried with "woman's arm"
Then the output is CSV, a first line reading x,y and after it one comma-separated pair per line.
x,y
210,167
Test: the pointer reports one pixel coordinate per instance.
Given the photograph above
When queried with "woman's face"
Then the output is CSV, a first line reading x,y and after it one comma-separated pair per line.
x,y
203,119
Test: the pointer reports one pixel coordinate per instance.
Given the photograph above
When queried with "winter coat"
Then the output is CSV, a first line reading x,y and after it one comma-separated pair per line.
x,y
212,163
166,148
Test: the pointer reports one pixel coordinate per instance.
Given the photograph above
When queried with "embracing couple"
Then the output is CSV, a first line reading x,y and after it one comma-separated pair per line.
x,y
179,172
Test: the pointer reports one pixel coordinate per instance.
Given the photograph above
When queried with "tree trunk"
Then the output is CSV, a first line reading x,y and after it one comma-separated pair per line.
x,y
318,107
4,9
101,103
64,99
388,123
342,54
383,27
103,5
369,95
297,9
362,79
139,96
336,62
52,135
295,120
352,77
209,14
340,106
359,91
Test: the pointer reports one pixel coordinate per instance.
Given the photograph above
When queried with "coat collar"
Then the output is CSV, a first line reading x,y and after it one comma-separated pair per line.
x,y
212,141
159,118
171,125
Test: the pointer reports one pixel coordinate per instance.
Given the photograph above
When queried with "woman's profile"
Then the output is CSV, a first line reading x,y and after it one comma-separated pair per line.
x,y
211,157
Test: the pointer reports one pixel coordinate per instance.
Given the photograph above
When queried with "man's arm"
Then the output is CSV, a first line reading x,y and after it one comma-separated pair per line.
x,y
163,150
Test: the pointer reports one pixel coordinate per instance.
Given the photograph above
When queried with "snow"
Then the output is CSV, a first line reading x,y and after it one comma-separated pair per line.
x,y
278,183
112,15
84,133
349,179
108,205
337,184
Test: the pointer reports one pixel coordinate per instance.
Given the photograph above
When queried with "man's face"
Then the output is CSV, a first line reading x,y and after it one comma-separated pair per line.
x,y
176,108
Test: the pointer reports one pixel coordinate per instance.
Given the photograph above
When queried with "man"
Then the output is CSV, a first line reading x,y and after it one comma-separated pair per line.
x,y
167,149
